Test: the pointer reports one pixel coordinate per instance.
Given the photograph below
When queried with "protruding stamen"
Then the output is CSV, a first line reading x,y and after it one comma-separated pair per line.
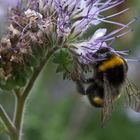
x,y
116,14
133,60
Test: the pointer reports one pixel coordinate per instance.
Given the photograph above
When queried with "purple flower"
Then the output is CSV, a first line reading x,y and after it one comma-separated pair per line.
x,y
64,21
78,15
74,17
61,24
86,50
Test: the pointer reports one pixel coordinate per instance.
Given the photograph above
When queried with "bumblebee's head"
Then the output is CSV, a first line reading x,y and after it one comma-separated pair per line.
x,y
103,54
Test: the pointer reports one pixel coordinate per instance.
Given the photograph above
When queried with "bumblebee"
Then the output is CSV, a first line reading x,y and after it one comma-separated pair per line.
x,y
104,86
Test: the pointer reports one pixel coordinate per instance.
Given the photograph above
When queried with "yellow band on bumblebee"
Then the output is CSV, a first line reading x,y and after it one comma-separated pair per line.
x,y
111,63
97,100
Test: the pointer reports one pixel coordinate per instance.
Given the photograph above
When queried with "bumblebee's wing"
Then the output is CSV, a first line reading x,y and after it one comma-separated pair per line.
x,y
108,106
133,96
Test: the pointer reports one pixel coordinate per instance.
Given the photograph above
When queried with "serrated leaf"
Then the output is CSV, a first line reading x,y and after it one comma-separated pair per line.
x,y
61,56
10,84
21,76
64,61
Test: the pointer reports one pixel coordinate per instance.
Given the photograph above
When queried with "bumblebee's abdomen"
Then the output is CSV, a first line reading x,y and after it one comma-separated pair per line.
x,y
116,75
97,101
95,95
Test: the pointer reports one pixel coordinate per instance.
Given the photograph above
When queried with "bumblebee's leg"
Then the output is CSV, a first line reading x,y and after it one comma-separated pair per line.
x,y
91,89
80,87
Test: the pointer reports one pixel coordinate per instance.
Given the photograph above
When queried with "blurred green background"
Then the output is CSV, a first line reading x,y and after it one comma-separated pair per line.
x,y
55,111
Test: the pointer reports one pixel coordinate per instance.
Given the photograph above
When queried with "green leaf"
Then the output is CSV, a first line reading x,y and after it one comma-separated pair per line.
x,y
10,84
21,80
64,62
22,75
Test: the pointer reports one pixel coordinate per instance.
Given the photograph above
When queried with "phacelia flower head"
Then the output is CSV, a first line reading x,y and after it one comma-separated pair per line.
x,y
86,50
37,27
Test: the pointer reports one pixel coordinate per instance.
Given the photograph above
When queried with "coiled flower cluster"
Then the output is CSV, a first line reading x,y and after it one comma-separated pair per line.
x,y
37,27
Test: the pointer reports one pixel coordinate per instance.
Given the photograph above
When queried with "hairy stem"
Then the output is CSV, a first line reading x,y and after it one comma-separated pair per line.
x,y
7,121
19,116
21,100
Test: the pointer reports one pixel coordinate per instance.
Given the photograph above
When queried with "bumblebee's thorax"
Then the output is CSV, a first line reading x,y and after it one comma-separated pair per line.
x,y
115,69
111,63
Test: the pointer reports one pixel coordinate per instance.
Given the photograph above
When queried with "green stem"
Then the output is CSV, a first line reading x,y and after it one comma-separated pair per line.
x,y
19,116
21,100
7,121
